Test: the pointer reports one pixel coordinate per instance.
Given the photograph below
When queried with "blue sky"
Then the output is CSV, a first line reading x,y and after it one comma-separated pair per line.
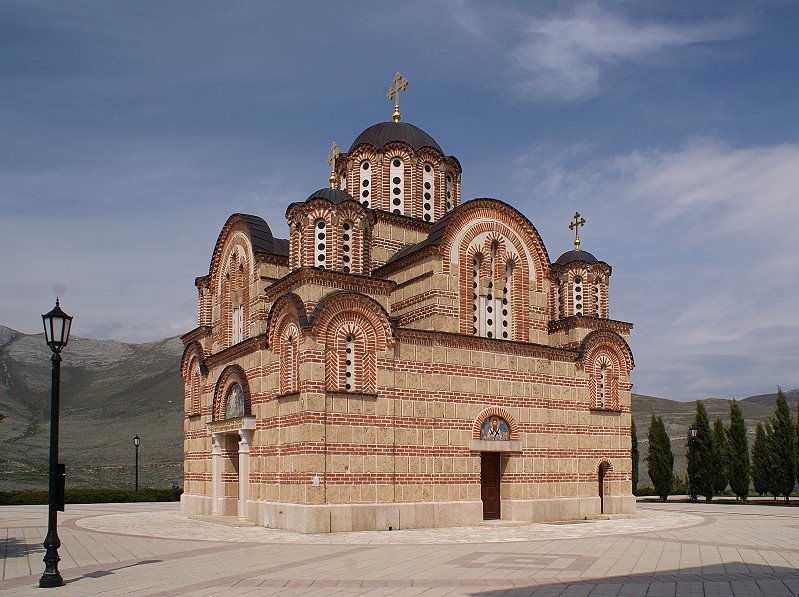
x,y
131,131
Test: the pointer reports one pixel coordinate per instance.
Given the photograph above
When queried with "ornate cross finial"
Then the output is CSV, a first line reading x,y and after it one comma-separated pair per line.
x,y
575,225
331,161
400,84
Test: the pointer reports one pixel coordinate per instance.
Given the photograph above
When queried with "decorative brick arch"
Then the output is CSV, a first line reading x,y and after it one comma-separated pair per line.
x,y
606,358
610,343
343,315
603,461
192,370
494,411
230,375
286,308
337,303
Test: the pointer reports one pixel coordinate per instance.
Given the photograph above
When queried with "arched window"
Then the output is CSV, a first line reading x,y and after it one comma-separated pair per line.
x,y
597,297
238,324
320,252
352,356
346,246
289,362
476,263
577,295
193,387
397,194
428,193
366,181
449,192
603,382
506,310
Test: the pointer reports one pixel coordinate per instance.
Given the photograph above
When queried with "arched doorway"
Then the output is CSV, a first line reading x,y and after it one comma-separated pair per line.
x,y
604,467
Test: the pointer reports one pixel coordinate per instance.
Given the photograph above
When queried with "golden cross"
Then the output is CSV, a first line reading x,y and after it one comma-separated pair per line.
x,y
575,225
400,84
331,161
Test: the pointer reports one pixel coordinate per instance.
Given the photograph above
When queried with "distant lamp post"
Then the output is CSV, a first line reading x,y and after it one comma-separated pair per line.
x,y
56,332
136,442
693,431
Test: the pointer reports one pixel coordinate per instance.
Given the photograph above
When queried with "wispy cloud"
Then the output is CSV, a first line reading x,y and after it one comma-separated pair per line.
x,y
567,54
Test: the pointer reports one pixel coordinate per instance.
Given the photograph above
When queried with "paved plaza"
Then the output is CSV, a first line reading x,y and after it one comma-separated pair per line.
x,y
676,548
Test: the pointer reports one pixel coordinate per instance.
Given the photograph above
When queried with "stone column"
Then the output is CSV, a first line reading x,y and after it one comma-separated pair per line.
x,y
244,471
216,472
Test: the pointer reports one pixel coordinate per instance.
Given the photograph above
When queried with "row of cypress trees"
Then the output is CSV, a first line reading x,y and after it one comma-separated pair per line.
x,y
720,455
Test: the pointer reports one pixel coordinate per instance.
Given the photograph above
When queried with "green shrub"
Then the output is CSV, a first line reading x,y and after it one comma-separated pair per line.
x,y
93,496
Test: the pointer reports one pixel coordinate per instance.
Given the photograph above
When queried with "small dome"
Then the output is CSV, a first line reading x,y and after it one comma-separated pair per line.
x,y
570,256
385,132
335,196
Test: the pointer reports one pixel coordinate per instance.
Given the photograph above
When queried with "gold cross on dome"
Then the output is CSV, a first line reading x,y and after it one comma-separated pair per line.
x,y
331,161
400,85
575,225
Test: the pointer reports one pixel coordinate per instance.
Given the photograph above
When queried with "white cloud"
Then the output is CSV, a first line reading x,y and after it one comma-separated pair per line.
x,y
565,55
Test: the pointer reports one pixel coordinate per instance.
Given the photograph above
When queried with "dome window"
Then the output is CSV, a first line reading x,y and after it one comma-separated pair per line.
x,y
320,254
366,181
397,173
428,180
449,192
346,246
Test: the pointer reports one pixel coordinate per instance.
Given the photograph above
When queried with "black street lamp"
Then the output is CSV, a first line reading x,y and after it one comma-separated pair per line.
x,y
693,431
56,332
136,442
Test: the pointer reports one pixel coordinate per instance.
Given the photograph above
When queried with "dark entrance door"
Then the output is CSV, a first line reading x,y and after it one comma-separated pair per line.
x,y
489,484
602,470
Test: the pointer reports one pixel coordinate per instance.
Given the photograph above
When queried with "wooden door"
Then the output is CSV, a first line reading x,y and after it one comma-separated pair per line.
x,y
489,484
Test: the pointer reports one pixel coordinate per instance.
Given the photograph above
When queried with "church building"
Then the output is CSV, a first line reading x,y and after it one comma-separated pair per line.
x,y
404,359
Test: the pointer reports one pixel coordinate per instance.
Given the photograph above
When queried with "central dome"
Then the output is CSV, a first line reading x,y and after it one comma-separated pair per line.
x,y
383,133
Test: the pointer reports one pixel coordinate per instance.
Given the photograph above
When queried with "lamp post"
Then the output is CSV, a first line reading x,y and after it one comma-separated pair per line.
x,y
56,332
136,442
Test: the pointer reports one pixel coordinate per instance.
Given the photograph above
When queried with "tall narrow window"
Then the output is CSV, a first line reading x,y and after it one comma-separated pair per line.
x,y
397,174
193,387
597,302
289,367
428,191
476,292
603,390
507,322
238,324
349,362
366,181
320,254
490,303
449,192
577,295
346,246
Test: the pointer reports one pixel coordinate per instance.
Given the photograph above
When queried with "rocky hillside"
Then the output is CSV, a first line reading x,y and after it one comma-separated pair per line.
x,y
110,392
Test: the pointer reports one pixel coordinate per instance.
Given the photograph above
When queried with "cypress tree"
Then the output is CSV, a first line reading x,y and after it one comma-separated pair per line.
x,y
719,457
761,466
783,448
634,454
737,453
660,459
701,454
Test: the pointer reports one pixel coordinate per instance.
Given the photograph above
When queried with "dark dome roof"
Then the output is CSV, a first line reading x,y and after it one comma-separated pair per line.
x,y
570,256
333,195
385,132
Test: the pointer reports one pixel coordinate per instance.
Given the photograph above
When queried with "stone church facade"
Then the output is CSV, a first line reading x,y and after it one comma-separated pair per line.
x,y
404,359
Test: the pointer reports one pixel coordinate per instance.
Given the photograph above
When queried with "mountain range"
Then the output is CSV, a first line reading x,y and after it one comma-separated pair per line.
x,y
112,391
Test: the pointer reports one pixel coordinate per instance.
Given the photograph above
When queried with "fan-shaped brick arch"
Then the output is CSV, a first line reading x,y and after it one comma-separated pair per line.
x,y
490,215
494,411
609,343
606,462
339,303
230,375
288,308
